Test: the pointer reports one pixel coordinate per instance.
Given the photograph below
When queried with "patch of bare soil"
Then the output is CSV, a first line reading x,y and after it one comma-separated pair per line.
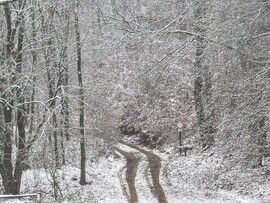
x,y
154,162
131,169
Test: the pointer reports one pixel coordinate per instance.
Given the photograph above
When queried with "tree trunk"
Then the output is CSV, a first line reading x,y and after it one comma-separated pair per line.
x,y
7,167
65,77
34,63
14,103
81,93
7,162
21,153
55,139
203,84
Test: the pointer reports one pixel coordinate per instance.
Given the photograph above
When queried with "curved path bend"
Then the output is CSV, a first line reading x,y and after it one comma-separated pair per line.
x,y
154,166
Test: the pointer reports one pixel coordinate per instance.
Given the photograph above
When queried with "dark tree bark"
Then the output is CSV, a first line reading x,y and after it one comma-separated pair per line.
x,y
14,103
31,107
21,154
7,168
81,93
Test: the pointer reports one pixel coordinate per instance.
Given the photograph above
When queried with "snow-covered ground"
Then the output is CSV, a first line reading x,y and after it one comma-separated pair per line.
x,y
196,178
203,178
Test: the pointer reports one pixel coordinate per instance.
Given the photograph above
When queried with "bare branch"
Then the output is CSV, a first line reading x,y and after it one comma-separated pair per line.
x,y
2,2
198,35
261,35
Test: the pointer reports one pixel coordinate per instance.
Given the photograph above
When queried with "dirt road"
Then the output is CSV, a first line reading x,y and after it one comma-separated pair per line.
x,y
131,169
152,172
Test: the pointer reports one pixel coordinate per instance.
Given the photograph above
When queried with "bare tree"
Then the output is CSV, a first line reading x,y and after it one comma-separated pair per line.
x,y
81,92
203,84
13,101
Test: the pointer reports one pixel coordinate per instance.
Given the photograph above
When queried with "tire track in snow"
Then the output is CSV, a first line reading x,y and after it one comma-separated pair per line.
x,y
121,176
131,170
142,181
154,163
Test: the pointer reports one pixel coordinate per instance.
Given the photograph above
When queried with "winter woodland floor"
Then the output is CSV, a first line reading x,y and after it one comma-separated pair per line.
x,y
136,175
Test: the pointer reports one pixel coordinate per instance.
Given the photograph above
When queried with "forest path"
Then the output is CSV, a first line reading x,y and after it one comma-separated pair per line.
x,y
130,170
151,172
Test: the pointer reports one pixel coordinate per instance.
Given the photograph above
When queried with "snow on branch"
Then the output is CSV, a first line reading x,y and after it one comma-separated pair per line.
x,y
6,1
199,35
261,35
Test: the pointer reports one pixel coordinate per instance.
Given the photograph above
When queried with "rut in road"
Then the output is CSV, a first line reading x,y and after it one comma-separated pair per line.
x,y
154,166
131,169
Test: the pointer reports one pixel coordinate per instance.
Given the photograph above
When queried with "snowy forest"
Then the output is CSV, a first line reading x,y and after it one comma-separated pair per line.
x,y
135,101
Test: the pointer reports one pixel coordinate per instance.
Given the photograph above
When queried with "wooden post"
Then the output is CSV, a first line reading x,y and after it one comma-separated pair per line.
x,y
180,126
180,138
